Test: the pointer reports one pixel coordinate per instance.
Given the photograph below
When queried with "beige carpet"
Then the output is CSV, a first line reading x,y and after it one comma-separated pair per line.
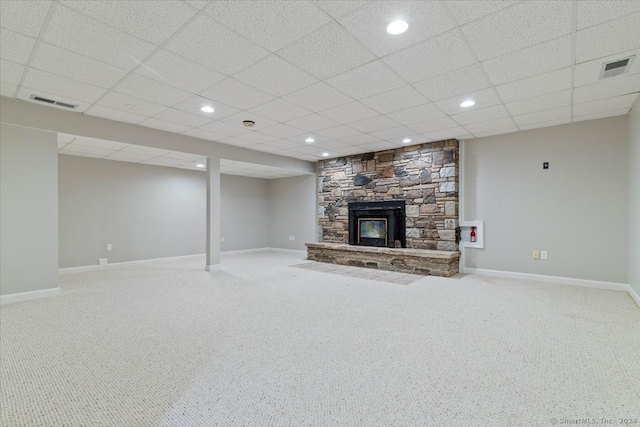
x,y
264,344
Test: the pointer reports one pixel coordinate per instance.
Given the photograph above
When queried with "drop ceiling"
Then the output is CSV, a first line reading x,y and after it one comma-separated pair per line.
x,y
321,69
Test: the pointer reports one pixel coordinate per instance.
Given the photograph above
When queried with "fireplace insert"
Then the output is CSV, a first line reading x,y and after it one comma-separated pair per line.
x,y
377,224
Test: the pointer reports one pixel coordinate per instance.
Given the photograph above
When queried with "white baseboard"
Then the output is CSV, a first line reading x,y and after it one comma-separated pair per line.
x,y
244,251
213,267
609,286
295,251
28,296
116,264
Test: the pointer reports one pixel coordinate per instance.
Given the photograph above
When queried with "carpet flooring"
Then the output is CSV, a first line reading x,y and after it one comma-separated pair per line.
x,y
262,343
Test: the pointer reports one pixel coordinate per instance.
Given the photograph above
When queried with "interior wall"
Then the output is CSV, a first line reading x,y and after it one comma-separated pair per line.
x,y
292,212
28,210
634,197
143,211
576,210
244,216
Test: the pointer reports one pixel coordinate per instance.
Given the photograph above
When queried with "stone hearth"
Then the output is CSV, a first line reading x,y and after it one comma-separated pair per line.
x,y
416,261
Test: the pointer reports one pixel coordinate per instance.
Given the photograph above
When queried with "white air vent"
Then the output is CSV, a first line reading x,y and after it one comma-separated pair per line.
x,y
615,68
53,102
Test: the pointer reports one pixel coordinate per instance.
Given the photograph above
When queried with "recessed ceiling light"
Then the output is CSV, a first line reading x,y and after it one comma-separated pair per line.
x,y
199,165
406,140
397,27
468,103
309,140
325,154
207,109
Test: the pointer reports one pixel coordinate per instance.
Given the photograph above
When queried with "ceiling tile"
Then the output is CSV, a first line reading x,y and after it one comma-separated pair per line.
x,y
538,59
609,38
260,121
283,131
111,114
272,24
161,161
439,55
153,21
367,80
361,139
25,17
10,72
542,84
317,97
193,104
174,70
284,144
396,99
589,72
211,44
368,24
593,12
338,8
539,103
94,39
467,11
237,142
433,125
312,123
275,76
482,115
607,88
7,89
491,125
457,82
151,90
141,149
497,132
416,114
374,124
80,153
624,102
483,99
182,118
327,52
522,25
56,60
127,156
349,113
395,134
232,92
25,93
545,124
47,82
339,132
543,116
81,148
439,135
130,104
602,115
66,138
380,146
256,137
164,125
280,110
15,47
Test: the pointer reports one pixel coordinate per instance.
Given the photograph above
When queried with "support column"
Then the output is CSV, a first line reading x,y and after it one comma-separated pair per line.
x,y
213,214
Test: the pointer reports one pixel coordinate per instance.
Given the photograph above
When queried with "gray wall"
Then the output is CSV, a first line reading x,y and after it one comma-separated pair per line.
x,y
244,216
576,210
292,212
144,211
28,210
634,197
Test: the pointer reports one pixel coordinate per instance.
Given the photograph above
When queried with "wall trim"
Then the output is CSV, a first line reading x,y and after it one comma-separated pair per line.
x,y
244,251
68,270
29,296
213,267
595,284
295,251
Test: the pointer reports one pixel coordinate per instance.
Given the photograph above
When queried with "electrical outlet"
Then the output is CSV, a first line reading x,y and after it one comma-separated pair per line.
x,y
536,254
108,246
292,237
543,254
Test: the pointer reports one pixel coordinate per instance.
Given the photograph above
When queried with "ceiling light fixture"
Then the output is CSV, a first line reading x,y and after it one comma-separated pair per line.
x,y
199,165
310,140
468,103
207,109
406,140
397,27
325,154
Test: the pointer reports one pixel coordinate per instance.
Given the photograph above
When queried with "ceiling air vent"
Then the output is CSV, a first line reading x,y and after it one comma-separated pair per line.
x,y
53,102
615,68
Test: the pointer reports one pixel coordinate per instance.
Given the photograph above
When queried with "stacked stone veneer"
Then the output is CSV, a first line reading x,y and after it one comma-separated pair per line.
x,y
425,176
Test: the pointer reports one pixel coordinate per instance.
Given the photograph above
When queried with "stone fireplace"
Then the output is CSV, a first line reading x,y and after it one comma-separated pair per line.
x,y
363,198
